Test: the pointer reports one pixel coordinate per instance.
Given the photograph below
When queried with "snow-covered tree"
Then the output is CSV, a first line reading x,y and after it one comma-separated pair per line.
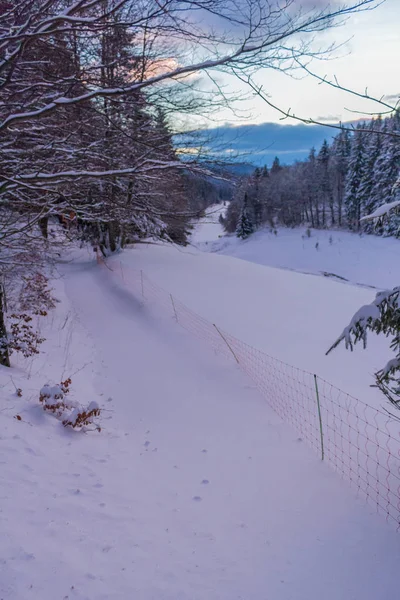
x,y
385,173
340,152
373,150
244,226
311,189
325,184
254,201
352,198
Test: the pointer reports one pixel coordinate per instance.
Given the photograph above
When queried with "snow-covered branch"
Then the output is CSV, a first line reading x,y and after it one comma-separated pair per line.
x,y
249,51
382,316
381,211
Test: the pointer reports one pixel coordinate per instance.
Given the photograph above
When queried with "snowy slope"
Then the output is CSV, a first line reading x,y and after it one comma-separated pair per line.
x,y
208,228
367,260
194,489
291,316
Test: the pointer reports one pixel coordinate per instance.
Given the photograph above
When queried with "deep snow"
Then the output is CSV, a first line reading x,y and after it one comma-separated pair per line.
x,y
194,489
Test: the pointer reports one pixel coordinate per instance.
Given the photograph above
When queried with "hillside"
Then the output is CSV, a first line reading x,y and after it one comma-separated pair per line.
x,y
194,488
171,427
366,260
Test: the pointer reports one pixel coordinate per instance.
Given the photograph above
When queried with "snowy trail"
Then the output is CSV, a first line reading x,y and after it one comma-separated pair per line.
x,y
270,516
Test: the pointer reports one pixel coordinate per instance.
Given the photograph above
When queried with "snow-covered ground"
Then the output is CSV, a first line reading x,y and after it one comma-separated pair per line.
x,y
194,489
208,228
291,316
361,259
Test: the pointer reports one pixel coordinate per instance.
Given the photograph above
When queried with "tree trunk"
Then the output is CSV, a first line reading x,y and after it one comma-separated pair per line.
x,y
358,216
4,355
317,213
331,206
43,224
312,214
340,201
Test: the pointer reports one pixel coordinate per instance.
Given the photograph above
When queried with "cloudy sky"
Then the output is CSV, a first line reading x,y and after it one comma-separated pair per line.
x,y
369,59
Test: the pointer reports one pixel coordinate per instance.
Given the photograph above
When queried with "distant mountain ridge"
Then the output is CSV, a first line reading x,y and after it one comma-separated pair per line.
x,y
258,145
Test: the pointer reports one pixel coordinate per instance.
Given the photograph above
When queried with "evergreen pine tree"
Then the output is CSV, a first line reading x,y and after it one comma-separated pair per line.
x,y
340,151
276,166
373,149
244,226
254,200
325,188
310,183
385,174
352,198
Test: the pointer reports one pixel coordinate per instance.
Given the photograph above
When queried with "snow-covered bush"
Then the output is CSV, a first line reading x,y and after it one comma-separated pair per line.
x,y
55,400
19,330
83,418
22,336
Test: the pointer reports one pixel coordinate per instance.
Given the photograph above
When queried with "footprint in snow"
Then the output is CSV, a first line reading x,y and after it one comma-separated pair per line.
x,y
205,482
197,498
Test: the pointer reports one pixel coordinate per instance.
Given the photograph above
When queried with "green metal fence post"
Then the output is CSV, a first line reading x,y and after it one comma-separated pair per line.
x,y
319,417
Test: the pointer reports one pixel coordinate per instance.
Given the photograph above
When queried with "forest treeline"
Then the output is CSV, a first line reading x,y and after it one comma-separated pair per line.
x,y
336,186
